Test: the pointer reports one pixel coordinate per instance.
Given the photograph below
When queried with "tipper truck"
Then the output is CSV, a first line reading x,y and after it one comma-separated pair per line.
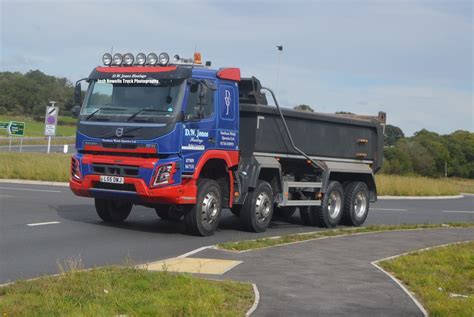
x,y
188,140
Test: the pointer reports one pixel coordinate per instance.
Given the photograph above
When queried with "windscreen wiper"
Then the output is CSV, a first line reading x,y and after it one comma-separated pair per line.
x,y
102,108
143,110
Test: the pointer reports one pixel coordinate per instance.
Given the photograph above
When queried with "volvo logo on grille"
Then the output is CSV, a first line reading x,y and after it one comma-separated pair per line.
x,y
119,132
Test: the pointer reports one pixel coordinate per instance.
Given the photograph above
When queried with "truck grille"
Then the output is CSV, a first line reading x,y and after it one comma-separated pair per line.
x,y
121,187
115,170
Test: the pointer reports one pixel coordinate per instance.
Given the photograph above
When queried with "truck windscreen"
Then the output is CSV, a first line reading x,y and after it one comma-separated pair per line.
x,y
118,102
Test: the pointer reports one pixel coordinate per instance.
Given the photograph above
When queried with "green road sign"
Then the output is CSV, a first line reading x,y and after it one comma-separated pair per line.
x,y
16,128
4,125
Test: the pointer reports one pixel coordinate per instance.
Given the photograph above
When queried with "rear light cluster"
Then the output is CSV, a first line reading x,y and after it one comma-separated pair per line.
x,y
75,169
164,175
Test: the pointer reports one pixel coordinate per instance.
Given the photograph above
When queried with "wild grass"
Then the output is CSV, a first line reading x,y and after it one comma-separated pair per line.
x,y
395,185
443,278
66,126
274,241
35,166
124,291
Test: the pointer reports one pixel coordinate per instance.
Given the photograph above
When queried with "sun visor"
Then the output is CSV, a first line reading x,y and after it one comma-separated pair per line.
x,y
136,74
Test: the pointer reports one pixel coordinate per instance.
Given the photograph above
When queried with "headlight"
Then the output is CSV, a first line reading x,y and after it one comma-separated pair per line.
x,y
128,59
164,175
151,59
141,59
117,59
163,59
107,59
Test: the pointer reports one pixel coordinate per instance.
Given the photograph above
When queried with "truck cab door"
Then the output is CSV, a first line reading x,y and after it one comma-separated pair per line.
x,y
199,124
228,116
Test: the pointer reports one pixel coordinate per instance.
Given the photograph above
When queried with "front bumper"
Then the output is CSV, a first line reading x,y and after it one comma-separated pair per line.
x,y
184,193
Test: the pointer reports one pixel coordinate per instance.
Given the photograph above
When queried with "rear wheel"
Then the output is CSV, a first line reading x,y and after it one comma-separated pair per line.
x,y
112,210
203,218
257,211
329,214
356,205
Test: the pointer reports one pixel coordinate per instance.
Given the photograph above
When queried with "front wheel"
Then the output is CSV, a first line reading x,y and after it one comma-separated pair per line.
x,y
356,206
112,210
257,211
203,218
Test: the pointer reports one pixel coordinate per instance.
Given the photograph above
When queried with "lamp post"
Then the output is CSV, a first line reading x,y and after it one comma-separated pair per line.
x,y
280,50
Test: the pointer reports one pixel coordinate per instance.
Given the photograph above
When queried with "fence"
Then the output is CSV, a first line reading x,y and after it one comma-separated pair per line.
x,y
59,144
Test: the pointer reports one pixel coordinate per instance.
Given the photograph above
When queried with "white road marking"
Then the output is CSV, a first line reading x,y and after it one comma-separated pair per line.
x,y
32,189
388,209
460,211
43,223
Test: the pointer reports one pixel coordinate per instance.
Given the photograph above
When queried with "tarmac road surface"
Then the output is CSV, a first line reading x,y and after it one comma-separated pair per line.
x,y
41,226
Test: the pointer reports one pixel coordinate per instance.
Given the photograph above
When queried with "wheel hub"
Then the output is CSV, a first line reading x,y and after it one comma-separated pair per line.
x,y
210,208
263,207
360,204
334,204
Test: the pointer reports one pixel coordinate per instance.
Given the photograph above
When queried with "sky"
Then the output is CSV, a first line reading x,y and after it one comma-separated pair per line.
x,y
410,59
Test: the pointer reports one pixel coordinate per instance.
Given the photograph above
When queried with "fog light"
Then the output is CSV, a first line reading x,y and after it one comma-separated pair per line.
x,y
151,59
107,59
141,59
128,59
117,60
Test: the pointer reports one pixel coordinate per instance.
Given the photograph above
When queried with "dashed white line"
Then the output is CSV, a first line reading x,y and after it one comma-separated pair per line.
x,y
42,223
460,211
32,189
388,209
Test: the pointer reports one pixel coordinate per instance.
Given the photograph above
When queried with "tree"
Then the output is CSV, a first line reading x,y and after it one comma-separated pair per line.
x,y
303,107
344,112
392,135
28,94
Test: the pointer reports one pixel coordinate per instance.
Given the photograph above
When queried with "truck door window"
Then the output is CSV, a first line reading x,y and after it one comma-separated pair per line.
x,y
192,104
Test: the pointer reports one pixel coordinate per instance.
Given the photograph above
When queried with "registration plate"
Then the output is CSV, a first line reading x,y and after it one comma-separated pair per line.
x,y
111,179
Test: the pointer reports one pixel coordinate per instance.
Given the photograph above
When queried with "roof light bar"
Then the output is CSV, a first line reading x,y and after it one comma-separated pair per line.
x,y
141,59
117,59
107,59
152,59
128,59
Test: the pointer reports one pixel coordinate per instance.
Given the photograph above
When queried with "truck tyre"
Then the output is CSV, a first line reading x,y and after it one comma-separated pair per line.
x,y
257,211
236,210
329,214
285,212
203,218
308,216
356,204
163,212
112,210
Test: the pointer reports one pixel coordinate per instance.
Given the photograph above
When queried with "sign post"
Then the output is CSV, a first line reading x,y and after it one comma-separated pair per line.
x,y
15,129
50,122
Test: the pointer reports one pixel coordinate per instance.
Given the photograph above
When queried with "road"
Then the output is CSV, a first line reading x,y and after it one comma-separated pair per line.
x,y
38,148
41,226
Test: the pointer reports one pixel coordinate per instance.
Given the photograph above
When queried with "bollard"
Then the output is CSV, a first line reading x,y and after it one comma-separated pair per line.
x,y
66,148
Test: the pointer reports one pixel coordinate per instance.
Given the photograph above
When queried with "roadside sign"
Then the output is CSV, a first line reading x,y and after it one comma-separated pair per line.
x,y
50,120
4,125
16,128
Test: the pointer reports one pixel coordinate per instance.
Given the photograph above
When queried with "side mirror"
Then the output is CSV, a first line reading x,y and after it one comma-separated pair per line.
x,y
75,111
77,95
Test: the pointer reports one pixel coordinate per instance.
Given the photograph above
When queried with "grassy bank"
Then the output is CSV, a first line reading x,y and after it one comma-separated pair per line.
x,y
66,126
273,241
394,185
35,166
442,278
117,291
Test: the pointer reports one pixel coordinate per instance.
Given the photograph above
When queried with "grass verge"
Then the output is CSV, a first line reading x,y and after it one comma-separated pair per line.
x,y
395,185
117,291
66,125
443,278
274,241
35,166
